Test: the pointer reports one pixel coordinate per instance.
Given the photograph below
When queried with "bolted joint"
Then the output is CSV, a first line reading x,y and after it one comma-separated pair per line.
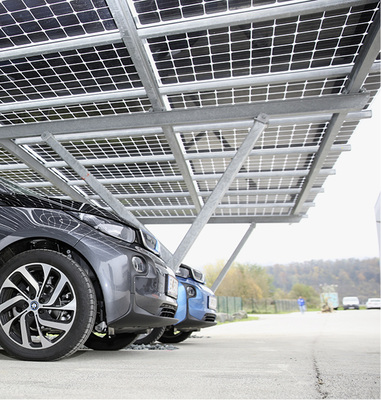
x,y
262,118
46,136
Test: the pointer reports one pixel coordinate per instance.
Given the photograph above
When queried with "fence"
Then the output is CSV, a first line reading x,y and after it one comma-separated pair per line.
x,y
230,305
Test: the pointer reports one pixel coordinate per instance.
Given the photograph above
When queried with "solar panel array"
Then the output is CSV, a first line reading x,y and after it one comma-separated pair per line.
x,y
155,97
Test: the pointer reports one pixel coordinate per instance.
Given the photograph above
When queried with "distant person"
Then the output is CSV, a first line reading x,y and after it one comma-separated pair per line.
x,y
302,304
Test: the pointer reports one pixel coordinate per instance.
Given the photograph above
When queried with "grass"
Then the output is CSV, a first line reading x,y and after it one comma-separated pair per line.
x,y
239,320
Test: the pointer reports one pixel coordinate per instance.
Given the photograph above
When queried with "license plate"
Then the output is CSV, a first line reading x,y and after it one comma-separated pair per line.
x,y
213,303
172,286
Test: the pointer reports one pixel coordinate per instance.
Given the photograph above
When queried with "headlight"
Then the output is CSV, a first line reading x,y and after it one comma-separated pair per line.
x,y
111,228
187,272
183,272
198,276
150,242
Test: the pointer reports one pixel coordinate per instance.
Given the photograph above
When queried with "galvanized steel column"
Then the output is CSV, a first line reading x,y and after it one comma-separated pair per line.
x,y
219,191
227,266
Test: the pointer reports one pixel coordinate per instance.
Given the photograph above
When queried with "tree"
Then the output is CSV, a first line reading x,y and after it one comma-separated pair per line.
x,y
242,280
309,294
212,271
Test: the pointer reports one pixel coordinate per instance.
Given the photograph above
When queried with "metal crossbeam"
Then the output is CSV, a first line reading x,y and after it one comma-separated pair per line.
x,y
178,178
274,109
222,219
240,17
169,158
53,46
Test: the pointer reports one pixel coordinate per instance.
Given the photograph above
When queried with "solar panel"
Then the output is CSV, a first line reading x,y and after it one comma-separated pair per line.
x,y
67,61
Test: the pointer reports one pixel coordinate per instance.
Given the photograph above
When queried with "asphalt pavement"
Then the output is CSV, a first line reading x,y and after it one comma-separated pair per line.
x,y
289,356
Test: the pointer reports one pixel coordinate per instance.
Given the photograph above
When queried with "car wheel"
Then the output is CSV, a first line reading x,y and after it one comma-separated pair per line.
x,y
97,341
172,335
152,336
47,306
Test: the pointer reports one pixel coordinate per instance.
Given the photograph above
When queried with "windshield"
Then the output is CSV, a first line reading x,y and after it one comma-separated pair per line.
x,y
13,195
7,187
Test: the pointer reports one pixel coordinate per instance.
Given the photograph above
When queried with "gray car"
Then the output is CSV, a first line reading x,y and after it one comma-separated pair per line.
x,y
72,274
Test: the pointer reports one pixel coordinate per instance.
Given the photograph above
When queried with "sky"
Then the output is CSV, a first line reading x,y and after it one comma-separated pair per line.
x,y
341,225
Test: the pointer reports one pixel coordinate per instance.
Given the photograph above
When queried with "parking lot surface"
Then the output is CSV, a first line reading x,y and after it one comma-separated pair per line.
x,y
292,356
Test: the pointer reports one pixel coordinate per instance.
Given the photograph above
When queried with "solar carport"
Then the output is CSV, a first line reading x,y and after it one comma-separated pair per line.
x,y
184,111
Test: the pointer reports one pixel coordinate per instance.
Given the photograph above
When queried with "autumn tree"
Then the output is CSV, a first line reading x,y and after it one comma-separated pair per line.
x,y
310,295
242,280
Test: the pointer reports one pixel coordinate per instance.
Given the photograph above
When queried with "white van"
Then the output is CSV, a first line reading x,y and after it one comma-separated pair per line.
x,y
351,302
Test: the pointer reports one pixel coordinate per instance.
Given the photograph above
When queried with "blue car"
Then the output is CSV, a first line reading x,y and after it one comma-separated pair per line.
x,y
196,309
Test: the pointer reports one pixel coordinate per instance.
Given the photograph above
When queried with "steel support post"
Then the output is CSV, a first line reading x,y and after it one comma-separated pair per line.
x,y
227,266
219,191
103,192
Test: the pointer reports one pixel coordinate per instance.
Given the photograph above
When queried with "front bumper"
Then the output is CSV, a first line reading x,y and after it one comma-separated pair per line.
x,y
194,324
138,319
193,312
133,301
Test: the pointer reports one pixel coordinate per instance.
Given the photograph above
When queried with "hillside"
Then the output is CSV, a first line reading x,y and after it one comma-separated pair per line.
x,y
354,277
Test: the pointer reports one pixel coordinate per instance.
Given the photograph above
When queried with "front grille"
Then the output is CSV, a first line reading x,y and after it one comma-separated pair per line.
x,y
209,317
167,310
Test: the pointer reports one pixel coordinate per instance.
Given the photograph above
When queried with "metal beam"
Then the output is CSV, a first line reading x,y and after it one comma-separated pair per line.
x,y
327,141
177,195
263,79
32,163
205,194
368,53
301,173
54,46
90,98
112,133
126,25
91,135
232,206
223,219
246,16
189,157
227,266
364,61
183,165
219,191
274,108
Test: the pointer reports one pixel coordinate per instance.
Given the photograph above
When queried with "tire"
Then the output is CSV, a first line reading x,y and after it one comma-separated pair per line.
x,y
150,337
47,306
172,335
105,342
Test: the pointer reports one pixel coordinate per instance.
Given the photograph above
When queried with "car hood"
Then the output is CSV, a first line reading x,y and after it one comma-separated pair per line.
x,y
14,196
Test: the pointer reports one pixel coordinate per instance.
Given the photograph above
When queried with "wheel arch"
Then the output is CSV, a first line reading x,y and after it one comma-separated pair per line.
x,y
48,243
